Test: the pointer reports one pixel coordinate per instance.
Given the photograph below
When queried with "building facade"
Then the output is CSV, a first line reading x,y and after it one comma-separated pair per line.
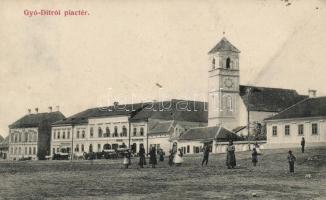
x,y
306,119
29,137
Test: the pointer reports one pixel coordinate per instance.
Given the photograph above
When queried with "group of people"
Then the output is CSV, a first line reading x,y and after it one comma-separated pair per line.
x,y
176,156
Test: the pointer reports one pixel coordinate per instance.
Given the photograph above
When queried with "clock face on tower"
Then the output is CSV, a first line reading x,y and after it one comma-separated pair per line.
x,y
228,83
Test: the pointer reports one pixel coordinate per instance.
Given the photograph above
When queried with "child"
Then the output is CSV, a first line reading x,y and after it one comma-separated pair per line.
x,y
291,159
254,156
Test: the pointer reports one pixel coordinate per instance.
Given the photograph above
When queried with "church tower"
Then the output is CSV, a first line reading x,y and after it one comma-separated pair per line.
x,y
223,85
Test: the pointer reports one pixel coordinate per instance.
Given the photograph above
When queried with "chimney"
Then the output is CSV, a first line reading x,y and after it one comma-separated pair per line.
x,y
312,93
36,110
58,108
29,111
50,108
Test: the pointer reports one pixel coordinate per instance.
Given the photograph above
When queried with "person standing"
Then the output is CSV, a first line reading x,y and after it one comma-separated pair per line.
x,y
206,155
126,160
254,157
161,154
171,156
291,159
152,157
303,143
230,156
141,154
178,160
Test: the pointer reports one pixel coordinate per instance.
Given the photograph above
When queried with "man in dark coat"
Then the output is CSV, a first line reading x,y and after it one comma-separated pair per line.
x,y
152,157
291,159
141,154
254,157
206,155
303,143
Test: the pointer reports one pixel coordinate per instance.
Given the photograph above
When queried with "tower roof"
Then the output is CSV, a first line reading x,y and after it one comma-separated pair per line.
x,y
224,45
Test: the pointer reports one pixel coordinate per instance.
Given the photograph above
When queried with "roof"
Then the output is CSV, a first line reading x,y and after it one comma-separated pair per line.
x,y
311,107
4,143
209,133
224,45
160,128
239,128
269,99
82,117
179,110
35,119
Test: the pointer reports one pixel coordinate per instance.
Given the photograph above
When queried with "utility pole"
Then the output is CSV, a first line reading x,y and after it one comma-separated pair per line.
x,y
72,139
248,116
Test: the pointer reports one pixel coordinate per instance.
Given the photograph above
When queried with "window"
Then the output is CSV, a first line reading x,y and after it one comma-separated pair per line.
x,y
228,63
54,135
58,150
68,134
53,151
100,132
115,131
188,148
19,150
90,148
124,131
82,148
77,148
135,131
300,129
26,137
83,134
63,135
274,130
287,129
77,134
98,147
107,132
20,137
141,131
91,132
59,135
15,137
25,151
314,129
213,63
30,150
34,150
228,103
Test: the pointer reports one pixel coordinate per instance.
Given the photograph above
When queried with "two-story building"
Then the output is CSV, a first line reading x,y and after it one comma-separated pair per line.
x,y
30,135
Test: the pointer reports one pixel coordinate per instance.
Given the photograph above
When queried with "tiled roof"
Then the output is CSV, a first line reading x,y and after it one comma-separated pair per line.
x,y
34,120
224,45
179,110
311,107
209,133
239,128
269,99
161,127
82,117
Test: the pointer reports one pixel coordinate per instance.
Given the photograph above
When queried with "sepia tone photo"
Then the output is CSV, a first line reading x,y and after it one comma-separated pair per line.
x,y
184,99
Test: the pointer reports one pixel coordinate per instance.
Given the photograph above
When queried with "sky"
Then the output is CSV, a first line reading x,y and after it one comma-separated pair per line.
x,y
123,48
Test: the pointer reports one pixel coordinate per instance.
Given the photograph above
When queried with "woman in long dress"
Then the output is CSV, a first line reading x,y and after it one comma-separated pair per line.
x,y
141,153
230,156
152,157
178,160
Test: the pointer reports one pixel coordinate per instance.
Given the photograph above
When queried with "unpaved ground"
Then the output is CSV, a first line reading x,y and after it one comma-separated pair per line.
x,y
106,179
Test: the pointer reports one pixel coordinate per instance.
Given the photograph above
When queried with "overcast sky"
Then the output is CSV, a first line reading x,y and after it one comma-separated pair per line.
x,y
126,47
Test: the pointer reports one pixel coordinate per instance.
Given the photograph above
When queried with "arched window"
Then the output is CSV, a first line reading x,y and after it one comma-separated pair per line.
x,y
19,150
91,132
107,146
213,63
83,134
59,135
141,131
228,103
135,131
54,135
107,130
90,148
16,137
77,134
26,137
68,134
115,131
63,135
228,63
12,139
124,131
100,132
77,148
82,147
30,151
19,138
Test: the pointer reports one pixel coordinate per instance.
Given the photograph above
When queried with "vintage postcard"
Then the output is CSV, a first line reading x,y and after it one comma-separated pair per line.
x,y
184,99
